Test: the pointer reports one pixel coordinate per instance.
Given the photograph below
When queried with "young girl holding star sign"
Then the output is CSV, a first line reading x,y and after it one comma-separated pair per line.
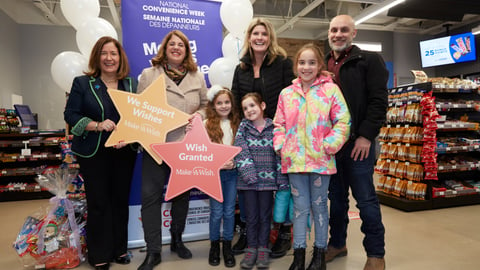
x,y
221,124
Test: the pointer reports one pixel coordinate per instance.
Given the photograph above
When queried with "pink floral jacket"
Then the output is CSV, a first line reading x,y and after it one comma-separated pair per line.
x,y
311,126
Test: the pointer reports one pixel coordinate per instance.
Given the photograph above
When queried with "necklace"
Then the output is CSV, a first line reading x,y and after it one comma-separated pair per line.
x,y
108,81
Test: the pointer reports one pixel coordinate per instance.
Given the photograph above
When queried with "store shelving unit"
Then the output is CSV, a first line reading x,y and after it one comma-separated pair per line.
x,y
455,180
21,157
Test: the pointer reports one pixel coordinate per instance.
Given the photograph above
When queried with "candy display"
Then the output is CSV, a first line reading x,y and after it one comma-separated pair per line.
x,y
443,84
9,121
408,141
429,156
402,188
454,188
421,150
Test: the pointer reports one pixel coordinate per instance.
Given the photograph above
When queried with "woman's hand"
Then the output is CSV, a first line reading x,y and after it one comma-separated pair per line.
x,y
107,125
120,144
190,121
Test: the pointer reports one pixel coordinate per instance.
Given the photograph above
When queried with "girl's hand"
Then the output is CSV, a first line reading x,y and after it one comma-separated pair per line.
x,y
228,165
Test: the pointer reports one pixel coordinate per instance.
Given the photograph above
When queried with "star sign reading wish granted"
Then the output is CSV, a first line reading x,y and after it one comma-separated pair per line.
x,y
195,162
145,118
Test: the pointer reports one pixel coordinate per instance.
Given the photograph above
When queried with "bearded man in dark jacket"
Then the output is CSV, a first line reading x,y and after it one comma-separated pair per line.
x,y
362,77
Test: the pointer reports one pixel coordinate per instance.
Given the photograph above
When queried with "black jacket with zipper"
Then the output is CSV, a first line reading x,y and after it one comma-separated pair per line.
x,y
274,77
363,81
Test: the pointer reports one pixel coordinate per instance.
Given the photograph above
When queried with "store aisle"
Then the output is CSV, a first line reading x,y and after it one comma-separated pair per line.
x,y
442,239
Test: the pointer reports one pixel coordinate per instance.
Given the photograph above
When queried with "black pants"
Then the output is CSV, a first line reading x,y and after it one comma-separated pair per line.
x,y
258,211
107,177
153,181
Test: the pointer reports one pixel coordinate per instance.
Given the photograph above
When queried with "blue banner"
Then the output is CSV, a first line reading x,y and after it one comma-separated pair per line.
x,y
146,22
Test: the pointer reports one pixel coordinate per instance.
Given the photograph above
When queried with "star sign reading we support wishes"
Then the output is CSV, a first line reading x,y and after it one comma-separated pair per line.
x,y
195,162
145,118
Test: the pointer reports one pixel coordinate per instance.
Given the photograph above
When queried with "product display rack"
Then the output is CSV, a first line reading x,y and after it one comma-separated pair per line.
x,y
458,141
457,158
22,155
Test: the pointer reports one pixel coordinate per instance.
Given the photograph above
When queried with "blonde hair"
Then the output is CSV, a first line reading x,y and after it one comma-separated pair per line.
x,y
274,50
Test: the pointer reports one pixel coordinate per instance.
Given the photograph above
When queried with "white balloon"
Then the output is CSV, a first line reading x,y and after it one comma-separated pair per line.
x,y
236,16
221,71
232,46
66,66
90,31
77,11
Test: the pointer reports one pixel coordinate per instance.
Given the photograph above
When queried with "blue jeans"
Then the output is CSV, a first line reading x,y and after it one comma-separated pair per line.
x,y
309,192
225,210
357,175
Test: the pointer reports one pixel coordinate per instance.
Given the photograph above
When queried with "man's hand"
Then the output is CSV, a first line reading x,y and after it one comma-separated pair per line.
x,y
361,149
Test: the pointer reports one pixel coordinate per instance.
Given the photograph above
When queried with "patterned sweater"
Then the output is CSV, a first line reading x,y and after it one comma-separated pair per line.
x,y
257,164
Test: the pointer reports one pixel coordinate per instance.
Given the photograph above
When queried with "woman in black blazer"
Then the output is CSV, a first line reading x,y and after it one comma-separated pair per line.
x,y
107,172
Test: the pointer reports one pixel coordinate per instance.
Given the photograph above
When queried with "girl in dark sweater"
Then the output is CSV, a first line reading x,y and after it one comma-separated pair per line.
x,y
259,176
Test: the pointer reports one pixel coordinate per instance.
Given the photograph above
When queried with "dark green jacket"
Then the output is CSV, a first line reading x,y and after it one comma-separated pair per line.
x,y
83,106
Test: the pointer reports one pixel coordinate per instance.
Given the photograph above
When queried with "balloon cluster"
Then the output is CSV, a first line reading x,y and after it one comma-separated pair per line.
x,y
83,16
236,16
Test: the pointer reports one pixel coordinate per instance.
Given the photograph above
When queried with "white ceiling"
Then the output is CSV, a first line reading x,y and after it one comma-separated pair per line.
x,y
306,19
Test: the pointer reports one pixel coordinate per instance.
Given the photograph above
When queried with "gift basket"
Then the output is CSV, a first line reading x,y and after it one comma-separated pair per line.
x,y
76,188
54,238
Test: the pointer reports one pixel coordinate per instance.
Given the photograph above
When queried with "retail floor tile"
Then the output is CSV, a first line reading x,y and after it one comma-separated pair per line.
x,y
443,239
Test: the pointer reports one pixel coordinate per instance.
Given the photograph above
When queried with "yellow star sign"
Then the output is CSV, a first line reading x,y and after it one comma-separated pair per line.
x,y
145,118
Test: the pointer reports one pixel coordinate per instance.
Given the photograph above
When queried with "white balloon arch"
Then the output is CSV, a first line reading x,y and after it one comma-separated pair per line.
x,y
77,11
83,16
66,66
90,31
235,15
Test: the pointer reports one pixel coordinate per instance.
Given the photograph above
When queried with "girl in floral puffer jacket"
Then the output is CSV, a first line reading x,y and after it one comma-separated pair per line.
x,y
312,123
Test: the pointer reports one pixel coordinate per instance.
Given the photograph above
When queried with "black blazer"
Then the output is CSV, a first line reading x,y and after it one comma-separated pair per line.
x,y
83,106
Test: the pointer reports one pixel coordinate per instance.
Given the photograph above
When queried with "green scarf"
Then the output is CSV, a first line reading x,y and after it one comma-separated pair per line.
x,y
174,74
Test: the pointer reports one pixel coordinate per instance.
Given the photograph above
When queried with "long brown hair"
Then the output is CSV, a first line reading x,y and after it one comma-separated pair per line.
x,y
94,61
161,58
318,54
212,125
274,50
